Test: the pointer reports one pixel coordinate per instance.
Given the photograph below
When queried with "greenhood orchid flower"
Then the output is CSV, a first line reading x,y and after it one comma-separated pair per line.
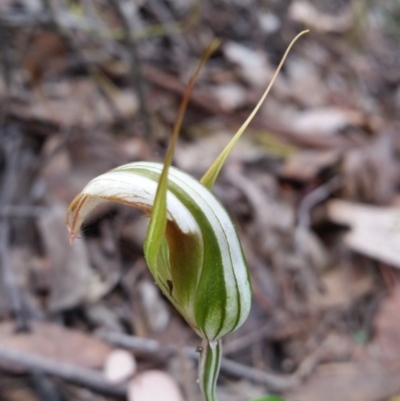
x,y
200,266
191,247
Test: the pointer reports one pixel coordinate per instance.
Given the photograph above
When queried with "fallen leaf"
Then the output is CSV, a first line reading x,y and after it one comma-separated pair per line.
x,y
371,171
73,281
254,65
304,166
326,120
56,343
387,328
79,105
305,13
304,84
341,289
362,381
374,231
18,393
374,376
230,96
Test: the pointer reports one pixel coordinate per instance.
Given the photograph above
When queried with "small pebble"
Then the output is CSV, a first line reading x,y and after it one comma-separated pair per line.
x,y
119,366
154,385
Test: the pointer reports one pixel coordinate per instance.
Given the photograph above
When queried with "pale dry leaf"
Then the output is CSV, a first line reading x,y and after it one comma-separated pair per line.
x,y
153,385
269,23
305,84
254,65
374,231
73,282
325,120
305,13
230,96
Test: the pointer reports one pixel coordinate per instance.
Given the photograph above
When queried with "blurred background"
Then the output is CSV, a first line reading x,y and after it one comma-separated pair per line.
x,y
313,188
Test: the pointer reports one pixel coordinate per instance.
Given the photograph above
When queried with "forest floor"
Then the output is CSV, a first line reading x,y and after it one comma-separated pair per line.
x,y
313,188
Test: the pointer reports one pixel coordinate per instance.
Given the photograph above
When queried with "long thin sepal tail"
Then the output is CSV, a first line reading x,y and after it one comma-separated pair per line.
x,y
211,175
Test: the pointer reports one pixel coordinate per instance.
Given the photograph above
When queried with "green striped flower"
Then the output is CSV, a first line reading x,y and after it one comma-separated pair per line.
x,y
191,246
200,265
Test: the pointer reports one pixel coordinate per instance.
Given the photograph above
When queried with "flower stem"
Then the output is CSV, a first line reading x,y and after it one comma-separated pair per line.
x,y
209,365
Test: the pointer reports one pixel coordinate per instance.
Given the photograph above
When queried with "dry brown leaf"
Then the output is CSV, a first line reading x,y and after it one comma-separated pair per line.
x,y
374,377
341,289
387,325
79,104
374,231
371,171
45,54
363,381
56,343
306,165
304,84
73,281
18,393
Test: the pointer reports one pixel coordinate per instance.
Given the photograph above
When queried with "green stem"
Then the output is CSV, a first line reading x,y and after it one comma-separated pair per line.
x,y
209,365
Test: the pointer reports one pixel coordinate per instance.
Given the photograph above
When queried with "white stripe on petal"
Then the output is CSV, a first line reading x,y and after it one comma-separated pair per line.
x,y
235,270
133,188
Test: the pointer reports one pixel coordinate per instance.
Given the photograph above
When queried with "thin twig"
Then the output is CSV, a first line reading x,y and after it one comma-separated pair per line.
x,y
11,144
315,197
134,62
21,211
303,227
7,68
273,382
71,373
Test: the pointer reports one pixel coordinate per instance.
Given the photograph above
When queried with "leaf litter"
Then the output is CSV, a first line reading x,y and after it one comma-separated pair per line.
x,y
323,258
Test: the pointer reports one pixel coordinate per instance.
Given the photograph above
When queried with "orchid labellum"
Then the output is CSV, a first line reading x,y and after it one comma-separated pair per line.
x,y
191,247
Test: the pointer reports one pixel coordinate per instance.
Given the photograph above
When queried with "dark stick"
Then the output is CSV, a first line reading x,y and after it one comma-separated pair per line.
x,y
11,145
311,200
71,373
44,387
134,63
274,382
7,68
